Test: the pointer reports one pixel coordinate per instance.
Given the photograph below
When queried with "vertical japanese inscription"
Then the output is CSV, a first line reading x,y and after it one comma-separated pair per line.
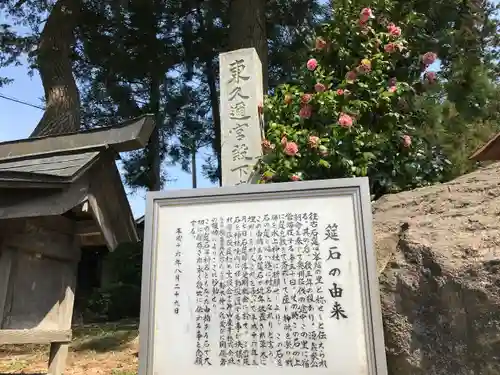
x,y
241,92
261,279
177,269
335,290
238,103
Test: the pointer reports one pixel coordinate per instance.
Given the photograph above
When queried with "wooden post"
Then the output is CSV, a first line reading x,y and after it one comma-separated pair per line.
x,y
59,350
241,93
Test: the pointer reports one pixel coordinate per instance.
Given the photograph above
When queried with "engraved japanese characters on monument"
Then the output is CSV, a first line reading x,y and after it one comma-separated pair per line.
x,y
262,285
241,131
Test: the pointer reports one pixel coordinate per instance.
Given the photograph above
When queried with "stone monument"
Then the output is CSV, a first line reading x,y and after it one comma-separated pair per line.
x,y
241,123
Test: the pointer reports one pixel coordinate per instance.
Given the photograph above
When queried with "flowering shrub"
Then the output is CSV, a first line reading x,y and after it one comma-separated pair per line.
x,y
353,112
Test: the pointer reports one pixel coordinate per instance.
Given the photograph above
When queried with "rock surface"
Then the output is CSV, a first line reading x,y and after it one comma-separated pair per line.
x,y
438,253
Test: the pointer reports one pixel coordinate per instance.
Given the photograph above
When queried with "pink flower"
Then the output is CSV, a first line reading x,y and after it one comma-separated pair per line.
x,y
312,64
429,58
319,87
394,30
295,177
284,141
288,99
345,120
306,98
291,148
313,141
406,141
393,89
350,76
320,43
390,47
305,111
267,146
430,77
366,14
340,92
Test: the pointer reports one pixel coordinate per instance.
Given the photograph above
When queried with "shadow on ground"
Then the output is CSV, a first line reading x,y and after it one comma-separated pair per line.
x,y
106,342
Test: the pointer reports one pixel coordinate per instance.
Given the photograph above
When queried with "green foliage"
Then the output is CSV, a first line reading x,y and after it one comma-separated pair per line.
x,y
114,302
356,113
121,298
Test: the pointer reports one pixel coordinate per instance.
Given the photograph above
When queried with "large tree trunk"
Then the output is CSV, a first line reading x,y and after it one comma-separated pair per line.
x,y
62,113
248,29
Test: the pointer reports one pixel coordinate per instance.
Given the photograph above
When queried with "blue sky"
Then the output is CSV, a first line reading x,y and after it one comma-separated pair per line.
x,y
17,121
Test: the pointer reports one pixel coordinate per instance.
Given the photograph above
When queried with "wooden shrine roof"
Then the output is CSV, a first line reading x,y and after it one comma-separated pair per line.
x,y
490,151
59,160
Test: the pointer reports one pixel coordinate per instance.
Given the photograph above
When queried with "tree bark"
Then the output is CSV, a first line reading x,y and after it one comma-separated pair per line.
x,y
214,100
194,172
62,112
154,146
248,29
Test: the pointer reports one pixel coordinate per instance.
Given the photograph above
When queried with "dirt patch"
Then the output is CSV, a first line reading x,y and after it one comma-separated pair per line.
x,y
98,349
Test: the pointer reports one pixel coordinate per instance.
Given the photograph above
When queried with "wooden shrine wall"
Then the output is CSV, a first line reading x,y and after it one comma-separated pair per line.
x,y
38,268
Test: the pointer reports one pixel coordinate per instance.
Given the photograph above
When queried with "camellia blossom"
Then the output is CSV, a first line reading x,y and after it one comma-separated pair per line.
x,y
267,145
312,64
340,92
320,43
430,76
291,148
406,141
306,98
319,87
345,120
295,177
394,30
350,76
313,141
365,66
366,14
288,98
306,111
390,47
429,58
393,89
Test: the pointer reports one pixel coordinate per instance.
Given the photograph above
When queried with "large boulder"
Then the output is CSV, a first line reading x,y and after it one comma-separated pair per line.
x,y
438,254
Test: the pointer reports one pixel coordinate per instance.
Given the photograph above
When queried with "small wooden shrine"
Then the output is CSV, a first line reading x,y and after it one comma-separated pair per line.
x,y
489,152
58,194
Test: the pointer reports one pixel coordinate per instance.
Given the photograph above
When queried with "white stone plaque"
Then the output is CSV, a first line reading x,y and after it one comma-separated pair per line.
x,y
241,127
261,279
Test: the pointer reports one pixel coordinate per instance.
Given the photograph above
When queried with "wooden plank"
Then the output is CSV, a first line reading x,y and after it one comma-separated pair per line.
x,y
109,204
92,241
33,336
32,203
87,228
6,261
57,223
128,136
57,358
489,151
44,242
